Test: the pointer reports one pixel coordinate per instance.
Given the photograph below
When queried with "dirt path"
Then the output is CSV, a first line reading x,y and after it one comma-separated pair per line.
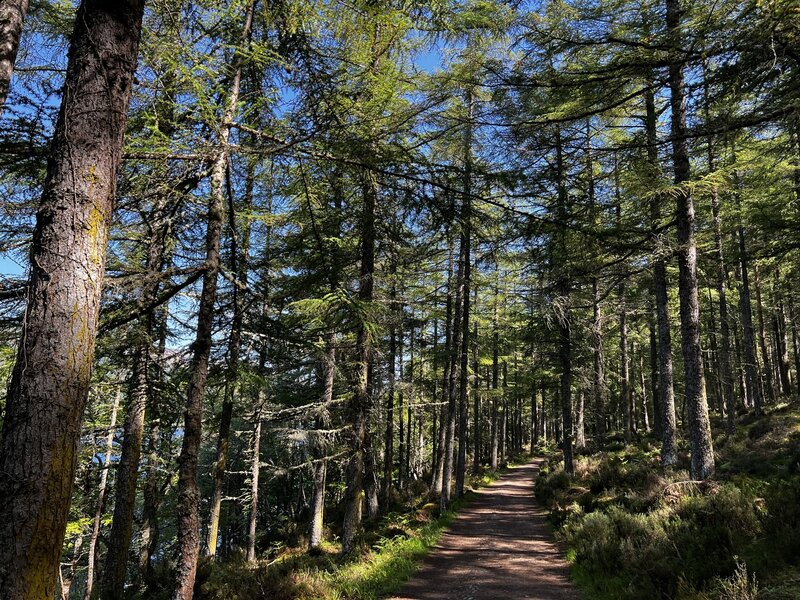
x,y
498,548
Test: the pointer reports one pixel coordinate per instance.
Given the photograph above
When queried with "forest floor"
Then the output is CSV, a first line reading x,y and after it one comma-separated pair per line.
x,y
499,546
635,530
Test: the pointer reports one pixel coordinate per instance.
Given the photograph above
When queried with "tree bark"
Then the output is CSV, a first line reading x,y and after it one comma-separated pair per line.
x,y
361,404
495,378
455,362
464,283
239,264
753,389
255,471
702,451
534,418
580,434
40,438
476,411
669,455
12,15
441,445
564,319
769,384
624,365
780,334
188,495
388,455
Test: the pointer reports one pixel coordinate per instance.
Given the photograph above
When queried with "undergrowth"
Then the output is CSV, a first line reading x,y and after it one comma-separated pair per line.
x,y
637,531
391,549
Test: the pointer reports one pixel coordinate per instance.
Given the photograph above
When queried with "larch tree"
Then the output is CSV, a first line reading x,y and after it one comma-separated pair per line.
x,y
40,437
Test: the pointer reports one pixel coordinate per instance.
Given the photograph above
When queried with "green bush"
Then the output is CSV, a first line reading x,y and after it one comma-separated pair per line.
x,y
550,484
782,518
651,554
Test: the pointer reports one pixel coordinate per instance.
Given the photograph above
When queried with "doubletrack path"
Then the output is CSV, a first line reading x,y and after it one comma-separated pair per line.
x,y
499,547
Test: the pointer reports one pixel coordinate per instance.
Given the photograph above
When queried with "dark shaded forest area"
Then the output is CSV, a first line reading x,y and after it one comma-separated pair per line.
x,y
282,281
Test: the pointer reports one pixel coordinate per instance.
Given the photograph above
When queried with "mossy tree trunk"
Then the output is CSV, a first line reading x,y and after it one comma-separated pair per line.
x,y
40,437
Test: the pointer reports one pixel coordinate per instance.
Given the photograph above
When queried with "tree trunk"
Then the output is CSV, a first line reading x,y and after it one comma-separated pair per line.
x,y
702,451
12,15
188,494
769,384
779,334
319,448
564,319
441,445
658,412
495,378
598,386
534,418
643,386
101,498
239,264
624,365
401,429
580,434
388,455
476,411
361,403
453,391
40,438
795,342
754,397
464,286
255,471
665,376
115,571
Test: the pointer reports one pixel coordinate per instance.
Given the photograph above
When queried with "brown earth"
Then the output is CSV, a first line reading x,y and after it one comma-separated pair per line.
x,y
498,547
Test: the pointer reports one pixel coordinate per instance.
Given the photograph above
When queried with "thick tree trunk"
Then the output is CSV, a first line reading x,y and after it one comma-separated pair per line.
x,y
702,451
543,413
12,15
101,498
40,438
643,387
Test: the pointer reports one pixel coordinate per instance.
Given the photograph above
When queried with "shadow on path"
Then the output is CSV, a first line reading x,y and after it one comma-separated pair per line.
x,y
498,547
